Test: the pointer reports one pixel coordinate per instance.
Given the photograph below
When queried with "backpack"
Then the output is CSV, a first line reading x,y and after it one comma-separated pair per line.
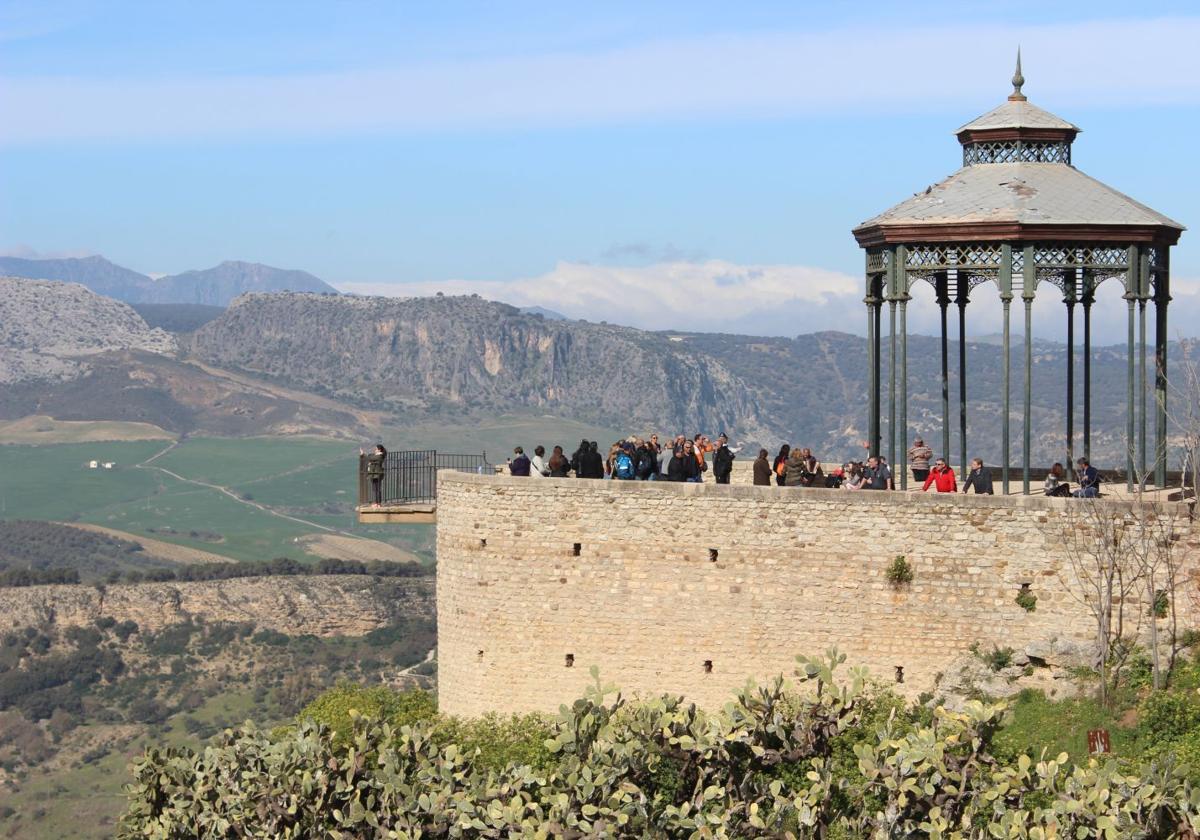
x,y
646,464
624,466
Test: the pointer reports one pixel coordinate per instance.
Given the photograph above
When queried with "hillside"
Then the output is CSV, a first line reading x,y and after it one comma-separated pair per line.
x,y
47,330
457,357
215,286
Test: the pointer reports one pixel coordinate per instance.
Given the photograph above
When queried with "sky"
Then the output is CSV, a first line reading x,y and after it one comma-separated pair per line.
x,y
692,165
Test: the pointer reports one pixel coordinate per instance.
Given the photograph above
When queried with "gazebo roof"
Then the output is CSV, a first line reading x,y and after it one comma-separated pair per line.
x,y
1021,193
1019,113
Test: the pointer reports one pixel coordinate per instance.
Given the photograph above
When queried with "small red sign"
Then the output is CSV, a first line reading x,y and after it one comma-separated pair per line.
x,y
1099,742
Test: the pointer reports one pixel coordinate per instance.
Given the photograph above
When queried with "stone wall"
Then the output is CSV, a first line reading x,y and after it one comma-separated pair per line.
x,y
695,588
324,605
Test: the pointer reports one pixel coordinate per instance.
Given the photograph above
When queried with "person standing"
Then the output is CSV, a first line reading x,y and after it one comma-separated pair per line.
x,y
762,470
375,472
559,466
723,460
941,477
780,465
980,477
537,464
918,457
519,465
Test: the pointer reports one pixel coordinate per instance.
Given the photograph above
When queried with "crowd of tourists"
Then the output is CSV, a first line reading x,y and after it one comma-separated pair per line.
x,y
693,459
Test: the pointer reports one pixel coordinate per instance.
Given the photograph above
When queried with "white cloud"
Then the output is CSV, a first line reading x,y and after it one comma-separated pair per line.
x,y
782,73
786,300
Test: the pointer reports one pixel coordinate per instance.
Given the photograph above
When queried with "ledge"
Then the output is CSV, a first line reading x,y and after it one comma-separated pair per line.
x,y
447,478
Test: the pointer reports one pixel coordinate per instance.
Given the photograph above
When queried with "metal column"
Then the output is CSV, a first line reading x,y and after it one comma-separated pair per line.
x,y
1089,297
1143,296
1162,288
1028,289
1131,291
872,366
943,300
1069,300
962,373
891,456
1006,300
901,465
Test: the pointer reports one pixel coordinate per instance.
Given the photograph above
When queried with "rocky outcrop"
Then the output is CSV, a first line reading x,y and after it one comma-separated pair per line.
x,y
455,356
323,605
47,330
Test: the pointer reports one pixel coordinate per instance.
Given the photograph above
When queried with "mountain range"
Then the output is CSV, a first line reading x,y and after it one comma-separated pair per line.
x,y
282,363
215,286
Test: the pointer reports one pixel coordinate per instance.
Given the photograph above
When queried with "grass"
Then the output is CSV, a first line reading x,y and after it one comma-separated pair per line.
x,y
311,478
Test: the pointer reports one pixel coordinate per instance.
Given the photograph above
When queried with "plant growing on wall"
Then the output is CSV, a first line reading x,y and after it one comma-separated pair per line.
x,y
900,572
1026,600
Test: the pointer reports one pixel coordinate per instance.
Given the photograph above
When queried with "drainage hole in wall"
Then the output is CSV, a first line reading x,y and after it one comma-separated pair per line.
x,y
712,555
576,548
483,543
570,663
708,666
899,673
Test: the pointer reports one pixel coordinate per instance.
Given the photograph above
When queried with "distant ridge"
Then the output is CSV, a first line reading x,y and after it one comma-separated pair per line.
x,y
215,286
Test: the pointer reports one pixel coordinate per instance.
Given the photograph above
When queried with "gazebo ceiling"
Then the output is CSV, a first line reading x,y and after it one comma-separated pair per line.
x,y
1019,201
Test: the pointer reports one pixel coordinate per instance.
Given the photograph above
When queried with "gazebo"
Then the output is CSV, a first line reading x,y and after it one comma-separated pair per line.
x,y
1019,215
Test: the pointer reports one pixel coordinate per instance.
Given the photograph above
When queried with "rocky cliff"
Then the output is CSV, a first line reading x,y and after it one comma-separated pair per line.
x,y
47,329
454,356
323,605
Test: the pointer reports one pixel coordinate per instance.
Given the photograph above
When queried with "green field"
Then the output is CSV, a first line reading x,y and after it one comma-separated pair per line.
x,y
311,479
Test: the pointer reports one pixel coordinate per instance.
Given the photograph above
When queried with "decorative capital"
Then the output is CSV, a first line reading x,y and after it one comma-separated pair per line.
x,y
1017,81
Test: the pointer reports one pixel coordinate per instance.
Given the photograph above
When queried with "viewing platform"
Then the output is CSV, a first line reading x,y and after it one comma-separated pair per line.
x,y
405,492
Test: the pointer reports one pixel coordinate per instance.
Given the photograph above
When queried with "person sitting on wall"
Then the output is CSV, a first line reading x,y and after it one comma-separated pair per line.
x,y
941,477
520,464
853,479
980,477
762,470
723,460
1089,480
537,464
811,474
1054,484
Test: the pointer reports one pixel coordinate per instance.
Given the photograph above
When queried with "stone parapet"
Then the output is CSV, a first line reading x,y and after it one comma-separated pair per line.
x,y
695,588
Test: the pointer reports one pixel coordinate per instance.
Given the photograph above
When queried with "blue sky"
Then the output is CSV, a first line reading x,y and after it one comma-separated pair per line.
x,y
614,161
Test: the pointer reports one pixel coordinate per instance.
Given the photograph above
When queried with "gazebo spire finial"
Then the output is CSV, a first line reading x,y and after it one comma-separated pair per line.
x,y
1017,81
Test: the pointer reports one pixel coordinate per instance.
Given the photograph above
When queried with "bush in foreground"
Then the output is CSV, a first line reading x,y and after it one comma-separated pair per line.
x,y
827,761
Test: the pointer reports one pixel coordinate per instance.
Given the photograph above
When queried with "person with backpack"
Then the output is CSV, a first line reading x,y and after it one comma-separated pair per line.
x,y
559,466
575,458
723,460
624,468
779,468
647,461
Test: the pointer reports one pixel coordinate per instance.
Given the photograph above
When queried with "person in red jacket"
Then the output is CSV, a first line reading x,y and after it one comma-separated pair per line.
x,y
942,477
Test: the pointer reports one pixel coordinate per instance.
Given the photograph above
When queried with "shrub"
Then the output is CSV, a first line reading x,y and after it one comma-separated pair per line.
x,y
899,572
337,708
1167,716
761,767
1026,600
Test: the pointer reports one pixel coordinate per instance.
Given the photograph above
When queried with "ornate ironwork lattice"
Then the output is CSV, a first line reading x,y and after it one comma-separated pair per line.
x,y
1016,151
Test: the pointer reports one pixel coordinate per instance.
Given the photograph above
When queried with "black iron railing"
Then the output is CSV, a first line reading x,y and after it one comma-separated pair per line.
x,y
410,476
